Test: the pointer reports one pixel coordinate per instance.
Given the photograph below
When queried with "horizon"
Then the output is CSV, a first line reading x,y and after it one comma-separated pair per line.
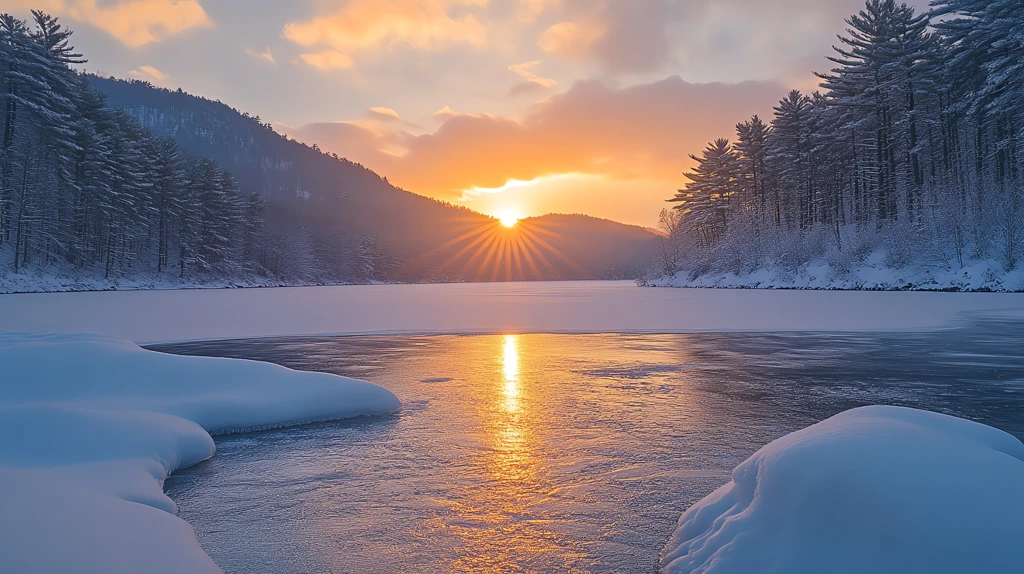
x,y
589,108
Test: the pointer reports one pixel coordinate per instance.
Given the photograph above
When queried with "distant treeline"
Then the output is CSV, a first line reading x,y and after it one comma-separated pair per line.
x,y
84,185
914,144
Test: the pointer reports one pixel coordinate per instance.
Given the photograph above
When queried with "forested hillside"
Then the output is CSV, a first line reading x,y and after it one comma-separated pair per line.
x,y
109,183
411,237
905,169
86,186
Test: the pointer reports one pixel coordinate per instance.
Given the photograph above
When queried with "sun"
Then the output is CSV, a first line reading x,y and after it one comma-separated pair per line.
x,y
508,219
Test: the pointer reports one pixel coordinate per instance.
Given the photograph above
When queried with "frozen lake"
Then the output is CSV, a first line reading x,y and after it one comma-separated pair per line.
x,y
549,452
496,308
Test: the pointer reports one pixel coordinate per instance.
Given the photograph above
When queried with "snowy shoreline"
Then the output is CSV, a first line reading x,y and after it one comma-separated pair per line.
x,y
872,274
52,285
94,425
877,289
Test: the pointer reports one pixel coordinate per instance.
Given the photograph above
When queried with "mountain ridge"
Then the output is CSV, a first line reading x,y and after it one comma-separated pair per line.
x,y
331,194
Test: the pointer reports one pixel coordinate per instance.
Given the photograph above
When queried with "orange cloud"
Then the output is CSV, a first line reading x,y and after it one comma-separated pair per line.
x,y
374,24
385,114
641,132
133,22
444,113
571,40
622,37
148,73
524,71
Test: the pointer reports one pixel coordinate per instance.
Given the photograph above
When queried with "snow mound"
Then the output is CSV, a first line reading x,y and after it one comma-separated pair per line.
x,y
874,489
92,426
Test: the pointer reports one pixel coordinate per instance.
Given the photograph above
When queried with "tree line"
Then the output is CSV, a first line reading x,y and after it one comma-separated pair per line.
x,y
86,186
913,143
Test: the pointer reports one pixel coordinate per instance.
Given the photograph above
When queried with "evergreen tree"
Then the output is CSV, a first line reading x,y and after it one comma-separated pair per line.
x,y
915,139
90,186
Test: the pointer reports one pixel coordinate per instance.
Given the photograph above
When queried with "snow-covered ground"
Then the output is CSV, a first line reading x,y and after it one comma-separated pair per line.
x,y
48,280
556,307
91,426
873,273
874,489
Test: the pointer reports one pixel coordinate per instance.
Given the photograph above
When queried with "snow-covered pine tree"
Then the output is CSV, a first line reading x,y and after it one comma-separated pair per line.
x,y
914,145
88,186
705,200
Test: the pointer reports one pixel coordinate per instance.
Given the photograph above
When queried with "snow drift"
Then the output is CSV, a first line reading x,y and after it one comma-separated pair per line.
x,y
874,489
92,426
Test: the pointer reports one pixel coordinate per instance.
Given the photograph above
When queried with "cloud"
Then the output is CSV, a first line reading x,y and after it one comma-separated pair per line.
x,y
524,71
134,22
533,82
264,55
529,10
705,40
327,59
572,40
148,73
444,113
621,37
638,132
385,114
429,25
524,89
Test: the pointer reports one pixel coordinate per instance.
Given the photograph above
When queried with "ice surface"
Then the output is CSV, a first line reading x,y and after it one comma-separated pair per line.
x,y
92,426
873,489
539,307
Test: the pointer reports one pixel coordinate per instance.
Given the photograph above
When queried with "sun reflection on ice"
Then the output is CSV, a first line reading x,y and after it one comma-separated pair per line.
x,y
502,520
511,420
511,369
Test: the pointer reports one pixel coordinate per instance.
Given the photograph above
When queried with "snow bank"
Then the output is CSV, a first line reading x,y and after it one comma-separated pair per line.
x,y
474,308
874,489
91,426
873,274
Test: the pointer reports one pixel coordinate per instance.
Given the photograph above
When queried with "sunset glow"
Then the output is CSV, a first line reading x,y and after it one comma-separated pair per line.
x,y
508,219
590,89
505,249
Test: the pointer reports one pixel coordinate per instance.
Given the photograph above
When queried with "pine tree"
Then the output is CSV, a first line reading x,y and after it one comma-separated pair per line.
x,y
917,134
705,200
90,186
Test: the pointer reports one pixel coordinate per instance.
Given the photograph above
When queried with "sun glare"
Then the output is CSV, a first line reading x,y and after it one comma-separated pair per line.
x,y
508,219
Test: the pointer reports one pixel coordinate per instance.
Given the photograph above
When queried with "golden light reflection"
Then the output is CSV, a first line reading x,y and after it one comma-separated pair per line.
x,y
513,461
513,426
511,368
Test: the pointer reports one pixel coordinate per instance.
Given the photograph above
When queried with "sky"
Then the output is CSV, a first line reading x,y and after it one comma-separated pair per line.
x,y
509,107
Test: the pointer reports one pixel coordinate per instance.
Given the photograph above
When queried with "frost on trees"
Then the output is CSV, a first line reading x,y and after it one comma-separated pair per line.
x,y
912,151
